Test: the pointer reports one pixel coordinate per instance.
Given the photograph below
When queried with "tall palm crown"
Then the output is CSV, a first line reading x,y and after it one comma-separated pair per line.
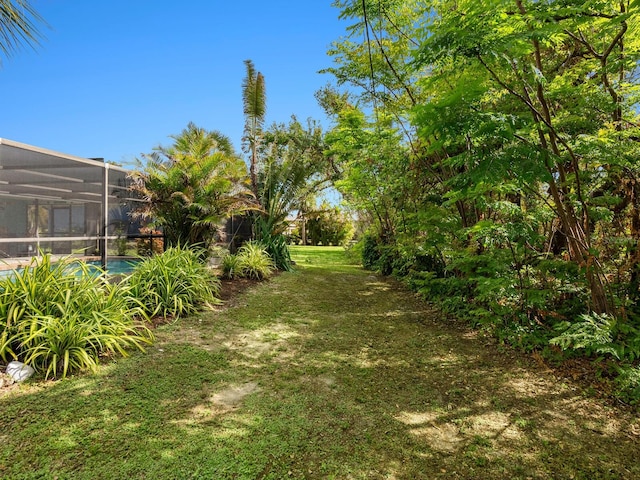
x,y
255,108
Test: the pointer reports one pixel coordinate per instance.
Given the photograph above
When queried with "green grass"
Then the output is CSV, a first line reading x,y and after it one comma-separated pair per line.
x,y
324,372
319,256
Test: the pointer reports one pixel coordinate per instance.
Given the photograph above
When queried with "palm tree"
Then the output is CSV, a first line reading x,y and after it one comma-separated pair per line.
x,y
192,186
18,26
255,108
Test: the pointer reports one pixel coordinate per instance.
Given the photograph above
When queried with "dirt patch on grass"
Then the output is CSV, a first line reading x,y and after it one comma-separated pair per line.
x,y
233,395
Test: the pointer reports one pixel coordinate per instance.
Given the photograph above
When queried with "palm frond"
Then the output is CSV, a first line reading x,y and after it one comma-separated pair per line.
x,y
18,26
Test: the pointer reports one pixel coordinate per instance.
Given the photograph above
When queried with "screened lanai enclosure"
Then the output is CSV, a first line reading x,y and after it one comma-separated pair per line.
x,y
56,203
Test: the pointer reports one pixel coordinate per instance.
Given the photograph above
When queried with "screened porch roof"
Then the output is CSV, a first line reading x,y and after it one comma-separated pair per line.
x,y
36,173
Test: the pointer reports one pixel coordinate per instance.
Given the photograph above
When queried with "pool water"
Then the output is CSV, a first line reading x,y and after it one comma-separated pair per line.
x,y
115,266
118,266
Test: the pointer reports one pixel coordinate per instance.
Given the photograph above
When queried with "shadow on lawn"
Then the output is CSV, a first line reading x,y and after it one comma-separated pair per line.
x,y
347,377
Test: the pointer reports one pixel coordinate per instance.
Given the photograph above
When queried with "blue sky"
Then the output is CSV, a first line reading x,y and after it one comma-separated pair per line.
x,y
114,79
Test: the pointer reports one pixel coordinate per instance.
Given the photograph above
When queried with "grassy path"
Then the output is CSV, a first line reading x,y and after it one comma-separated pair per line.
x,y
326,372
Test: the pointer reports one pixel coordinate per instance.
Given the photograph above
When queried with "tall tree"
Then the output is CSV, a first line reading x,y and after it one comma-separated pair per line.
x,y
551,80
255,108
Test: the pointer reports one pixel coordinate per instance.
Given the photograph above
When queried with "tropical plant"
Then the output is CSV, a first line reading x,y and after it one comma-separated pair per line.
x,y
291,170
63,317
275,244
174,283
230,266
255,109
192,186
285,162
254,261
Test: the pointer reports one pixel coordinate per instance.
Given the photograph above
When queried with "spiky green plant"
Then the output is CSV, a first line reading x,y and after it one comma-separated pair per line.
x,y
254,261
275,244
62,317
174,283
230,266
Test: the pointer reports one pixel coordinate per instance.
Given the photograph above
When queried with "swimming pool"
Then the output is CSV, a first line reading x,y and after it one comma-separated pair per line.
x,y
115,266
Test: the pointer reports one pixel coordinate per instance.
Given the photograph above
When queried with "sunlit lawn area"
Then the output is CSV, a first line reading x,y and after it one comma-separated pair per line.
x,y
325,372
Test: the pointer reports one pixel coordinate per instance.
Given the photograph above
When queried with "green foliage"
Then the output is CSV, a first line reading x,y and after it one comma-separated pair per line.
x,y
275,244
370,252
354,252
328,226
230,266
251,261
61,318
593,333
378,256
600,334
192,186
501,144
254,261
174,283
290,170
285,165
628,384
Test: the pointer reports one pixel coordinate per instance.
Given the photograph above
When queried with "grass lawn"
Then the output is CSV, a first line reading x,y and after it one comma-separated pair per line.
x,y
325,372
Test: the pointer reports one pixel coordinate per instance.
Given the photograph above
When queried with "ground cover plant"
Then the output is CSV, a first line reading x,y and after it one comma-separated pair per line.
x,y
328,371
62,317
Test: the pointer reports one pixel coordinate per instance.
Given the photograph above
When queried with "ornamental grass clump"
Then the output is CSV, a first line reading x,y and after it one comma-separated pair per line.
x,y
63,317
230,266
254,261
251,261
174,283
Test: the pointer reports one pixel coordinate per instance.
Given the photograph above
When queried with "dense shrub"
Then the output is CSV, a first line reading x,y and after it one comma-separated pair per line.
x,y
328,225
370,252
380,256
61,318
174,283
